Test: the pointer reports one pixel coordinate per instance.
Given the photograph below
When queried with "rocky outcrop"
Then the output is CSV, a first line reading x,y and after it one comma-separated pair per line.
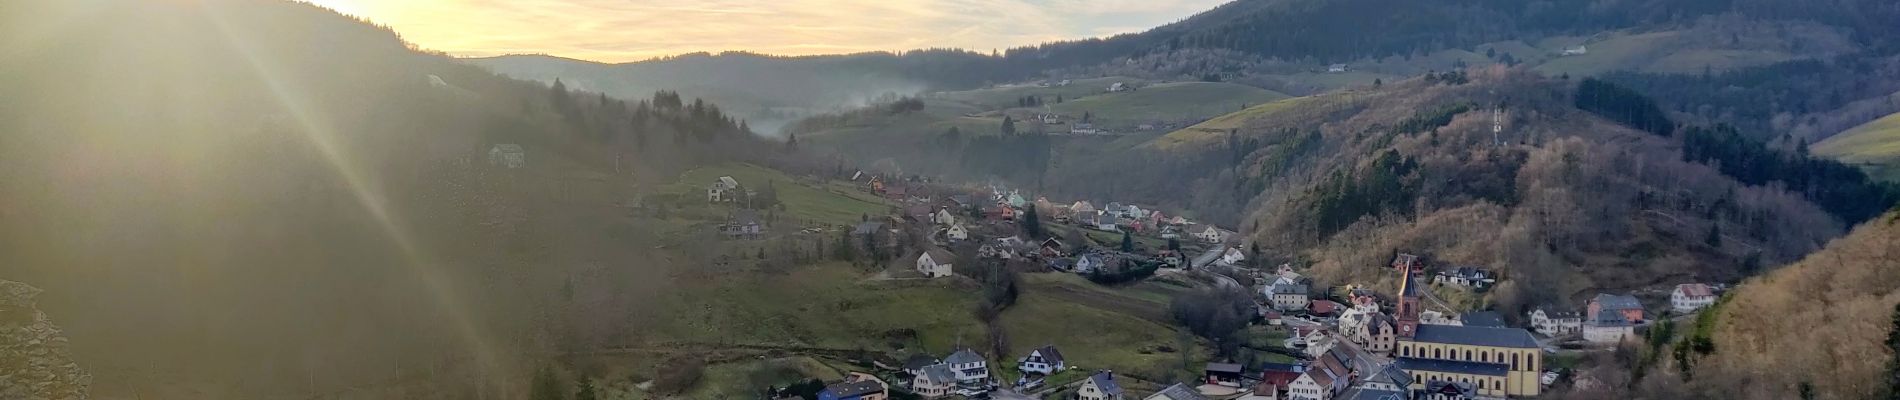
x,y
34,362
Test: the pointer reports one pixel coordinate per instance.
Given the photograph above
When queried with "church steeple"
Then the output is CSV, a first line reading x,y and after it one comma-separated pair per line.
x,y
1407,315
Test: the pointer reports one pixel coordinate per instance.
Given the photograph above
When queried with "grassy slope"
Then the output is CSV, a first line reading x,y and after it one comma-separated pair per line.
x,y
1217,127
830,203
1167,101
1877,141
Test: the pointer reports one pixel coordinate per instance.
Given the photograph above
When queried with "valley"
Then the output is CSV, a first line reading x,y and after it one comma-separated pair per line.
x,y
1329,199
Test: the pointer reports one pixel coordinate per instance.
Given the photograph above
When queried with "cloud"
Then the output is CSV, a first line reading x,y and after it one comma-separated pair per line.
x,y
629,30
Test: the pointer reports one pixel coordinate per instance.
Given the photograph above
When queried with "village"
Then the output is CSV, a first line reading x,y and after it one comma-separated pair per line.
x,y
1341,342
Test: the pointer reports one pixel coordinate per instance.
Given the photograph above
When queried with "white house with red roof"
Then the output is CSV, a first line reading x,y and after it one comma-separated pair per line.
x,y
1689,297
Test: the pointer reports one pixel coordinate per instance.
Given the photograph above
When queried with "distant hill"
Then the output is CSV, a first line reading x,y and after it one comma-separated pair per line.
x,y
767,91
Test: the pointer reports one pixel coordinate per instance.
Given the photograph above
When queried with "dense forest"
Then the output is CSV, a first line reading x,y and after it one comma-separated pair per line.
x,y
1803,100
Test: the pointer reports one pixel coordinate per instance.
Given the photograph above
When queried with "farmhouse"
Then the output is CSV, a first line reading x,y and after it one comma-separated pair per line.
x,y
1465,277
1499,361
1608,306
1043,360
935,263
1555,323
743,224
1100,386
972,371
936,380
956,232
722,189
1689,297
1288,294
1206,233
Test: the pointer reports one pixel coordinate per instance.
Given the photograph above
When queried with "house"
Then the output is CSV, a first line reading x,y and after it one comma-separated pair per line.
x,y
1233,256
1095,262
1105,222
1689,297
873,233
1466,277
956,232
943,217
1015,200
1323,308
509,156
1178,221
972,371
896,193
1082,209
1577,50
935,263
918,213
1115,208
1052,247
1288,294
1604,306
1275,380
995,251
1176,392
1043,360
935,380
1501,362
916,363
1207,233
858,386
1482,318
723,189
1377,335
743,223
1555,323
1609,328
1222,374
1317,345
1336,68
1100,386
1118,87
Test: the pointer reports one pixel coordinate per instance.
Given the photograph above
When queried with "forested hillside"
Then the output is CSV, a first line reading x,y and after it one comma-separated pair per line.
x,y
293,203
1821,328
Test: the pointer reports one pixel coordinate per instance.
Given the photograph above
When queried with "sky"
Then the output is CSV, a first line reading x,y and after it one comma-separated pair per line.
x,y
633,30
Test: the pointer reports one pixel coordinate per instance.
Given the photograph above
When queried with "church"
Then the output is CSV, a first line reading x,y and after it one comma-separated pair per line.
x,y
1498,362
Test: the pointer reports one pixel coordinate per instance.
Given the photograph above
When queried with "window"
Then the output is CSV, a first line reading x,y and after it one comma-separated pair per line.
x,y
1481,385
1438,353
1468,356
1513,361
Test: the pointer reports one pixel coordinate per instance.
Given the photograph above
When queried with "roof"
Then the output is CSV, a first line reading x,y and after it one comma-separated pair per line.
x,y
1177,392
1695,290
1288,288
728,181
1049,354
746,216
1324,306
867,228
1280,367
1105,381
1450,388
939,373
858,388
1392,374
1489,319
1456,367
1371,394
964,356
1223,367
919,361
940,256
1617,302
1475,336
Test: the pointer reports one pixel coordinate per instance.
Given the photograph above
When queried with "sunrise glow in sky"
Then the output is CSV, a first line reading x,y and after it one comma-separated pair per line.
x,y
632,30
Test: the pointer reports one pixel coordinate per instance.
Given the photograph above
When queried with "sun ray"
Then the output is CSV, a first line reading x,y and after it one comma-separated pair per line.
x,y
317,129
